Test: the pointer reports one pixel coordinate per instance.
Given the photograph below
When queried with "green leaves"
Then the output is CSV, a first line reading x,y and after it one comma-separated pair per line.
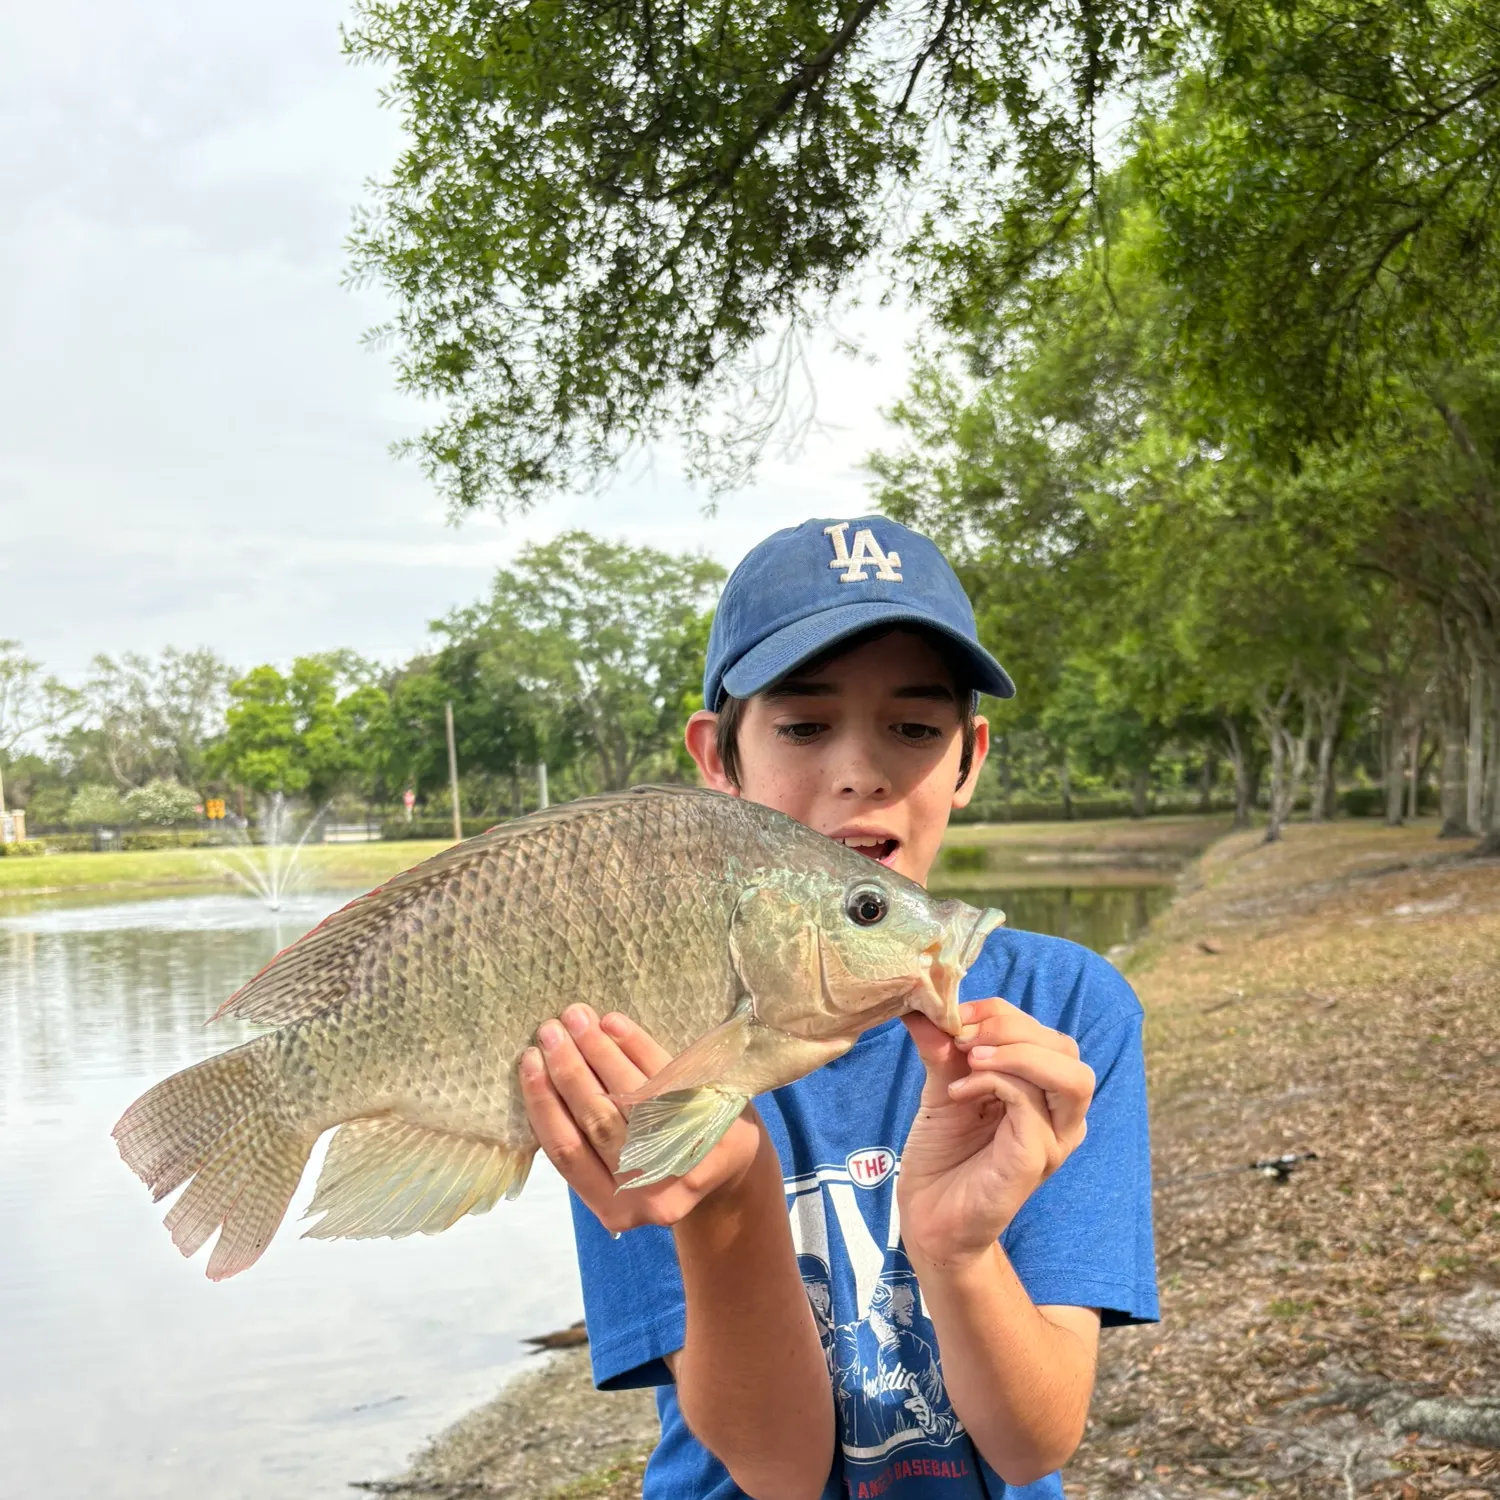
x,y
295,733
601,210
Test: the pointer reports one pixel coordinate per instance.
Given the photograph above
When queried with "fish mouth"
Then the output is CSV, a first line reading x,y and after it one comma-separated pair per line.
x,y
965,929
969,947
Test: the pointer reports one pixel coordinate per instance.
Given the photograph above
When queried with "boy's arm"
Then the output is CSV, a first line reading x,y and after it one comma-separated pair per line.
x,y
752,1381
751,1377
1002,1108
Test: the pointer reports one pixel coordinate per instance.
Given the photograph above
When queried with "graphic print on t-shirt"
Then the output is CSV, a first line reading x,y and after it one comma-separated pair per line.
x,y
876,1336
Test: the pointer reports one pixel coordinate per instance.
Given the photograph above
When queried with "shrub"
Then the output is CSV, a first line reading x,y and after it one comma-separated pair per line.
x,y
93,805
964,859
162,802
434,828
21,850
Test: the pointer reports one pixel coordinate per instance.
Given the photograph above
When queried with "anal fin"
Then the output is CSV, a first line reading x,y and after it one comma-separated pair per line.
x,y
385,1177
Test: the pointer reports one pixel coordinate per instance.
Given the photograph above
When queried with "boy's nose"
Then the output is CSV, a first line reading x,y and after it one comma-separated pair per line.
x,y
858,774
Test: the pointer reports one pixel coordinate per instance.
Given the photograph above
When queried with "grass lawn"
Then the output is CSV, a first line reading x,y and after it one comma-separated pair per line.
x,y
1036,852
354,865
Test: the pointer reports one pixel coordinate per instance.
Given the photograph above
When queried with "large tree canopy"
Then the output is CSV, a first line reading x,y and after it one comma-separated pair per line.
x,y
602,209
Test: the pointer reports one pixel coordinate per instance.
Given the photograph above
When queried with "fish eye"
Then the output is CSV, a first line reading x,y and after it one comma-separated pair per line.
x,y
866,905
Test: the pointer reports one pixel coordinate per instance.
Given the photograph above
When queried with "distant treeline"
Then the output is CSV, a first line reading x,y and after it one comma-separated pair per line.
x,y
586,656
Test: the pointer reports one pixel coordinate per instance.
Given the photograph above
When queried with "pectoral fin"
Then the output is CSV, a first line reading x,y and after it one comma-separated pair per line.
x,y
682,1113
670,1134
708,1060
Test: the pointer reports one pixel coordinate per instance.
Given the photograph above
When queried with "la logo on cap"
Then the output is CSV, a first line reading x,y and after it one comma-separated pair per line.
x,y
866,553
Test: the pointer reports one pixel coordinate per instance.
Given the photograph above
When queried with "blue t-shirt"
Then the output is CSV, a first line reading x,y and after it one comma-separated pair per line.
x,y
1083,1239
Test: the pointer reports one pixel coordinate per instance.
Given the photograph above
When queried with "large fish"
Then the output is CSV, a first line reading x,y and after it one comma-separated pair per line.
x,y
752,947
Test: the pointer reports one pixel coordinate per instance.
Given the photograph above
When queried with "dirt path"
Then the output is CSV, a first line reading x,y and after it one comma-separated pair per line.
x,y
1338,993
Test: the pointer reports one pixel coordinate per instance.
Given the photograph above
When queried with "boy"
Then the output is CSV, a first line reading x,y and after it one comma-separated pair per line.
x,y
889,1277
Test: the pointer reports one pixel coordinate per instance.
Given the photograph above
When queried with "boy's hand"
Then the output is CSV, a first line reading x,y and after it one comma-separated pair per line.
x,y
566,1082
1002,1109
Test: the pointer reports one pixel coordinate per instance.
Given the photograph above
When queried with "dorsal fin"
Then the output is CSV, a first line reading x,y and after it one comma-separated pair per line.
x,y
315,972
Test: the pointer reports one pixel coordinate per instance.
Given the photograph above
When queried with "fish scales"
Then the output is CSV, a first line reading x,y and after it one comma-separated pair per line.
x,y
724,928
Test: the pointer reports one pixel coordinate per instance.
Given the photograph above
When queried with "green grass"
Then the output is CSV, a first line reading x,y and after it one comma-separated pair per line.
x,y
355,865
996,848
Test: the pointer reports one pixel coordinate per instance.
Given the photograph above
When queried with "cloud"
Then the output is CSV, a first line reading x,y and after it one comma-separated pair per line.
x,y
193,442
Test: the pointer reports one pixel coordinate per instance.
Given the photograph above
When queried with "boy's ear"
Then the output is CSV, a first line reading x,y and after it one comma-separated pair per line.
x,y
702,740
962,795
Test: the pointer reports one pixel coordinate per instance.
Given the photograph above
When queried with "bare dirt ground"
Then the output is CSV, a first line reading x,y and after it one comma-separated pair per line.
x,y
1338,993
1336,1335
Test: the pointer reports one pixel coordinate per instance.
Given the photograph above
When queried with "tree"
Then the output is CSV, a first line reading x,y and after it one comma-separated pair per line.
x,y
151,720
601,210
294,734
95,805
29,702
604,642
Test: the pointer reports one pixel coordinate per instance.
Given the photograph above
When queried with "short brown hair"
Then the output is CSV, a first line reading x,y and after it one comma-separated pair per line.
x,y
732,710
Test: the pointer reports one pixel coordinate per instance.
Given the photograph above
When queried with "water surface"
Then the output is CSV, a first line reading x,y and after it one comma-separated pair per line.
x,y
122,1370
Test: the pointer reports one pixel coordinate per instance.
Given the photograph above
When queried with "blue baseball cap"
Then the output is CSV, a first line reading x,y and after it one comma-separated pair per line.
x,y
805,589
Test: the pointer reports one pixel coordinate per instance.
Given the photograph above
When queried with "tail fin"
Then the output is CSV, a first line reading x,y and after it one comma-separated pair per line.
x,y
223,1123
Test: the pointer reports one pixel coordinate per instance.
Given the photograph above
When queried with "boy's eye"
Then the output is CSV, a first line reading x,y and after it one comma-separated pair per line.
x,y
919,734
798,734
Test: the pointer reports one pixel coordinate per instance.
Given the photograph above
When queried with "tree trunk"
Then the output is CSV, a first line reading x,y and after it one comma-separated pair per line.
x,y
1455,751
1489,843
1206,785
1278,779
1140,790
1325,792
1288,756
1474,761
1239,760
1065,785
1392,741
1414,769
1329,703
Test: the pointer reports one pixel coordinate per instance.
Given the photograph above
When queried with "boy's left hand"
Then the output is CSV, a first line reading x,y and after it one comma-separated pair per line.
x,y
1002,1108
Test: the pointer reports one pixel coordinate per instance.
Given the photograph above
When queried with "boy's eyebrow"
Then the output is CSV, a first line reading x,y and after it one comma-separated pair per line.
x,y
793,687
796,687
931,692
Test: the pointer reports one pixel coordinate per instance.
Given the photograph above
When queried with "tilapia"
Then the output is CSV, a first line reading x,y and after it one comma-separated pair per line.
x,y
750,946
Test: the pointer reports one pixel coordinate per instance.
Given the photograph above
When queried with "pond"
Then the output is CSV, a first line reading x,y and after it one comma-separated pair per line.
x,y
124,1371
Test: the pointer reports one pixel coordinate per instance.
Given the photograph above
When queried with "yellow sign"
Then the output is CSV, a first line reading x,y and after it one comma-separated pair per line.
x,y
214,807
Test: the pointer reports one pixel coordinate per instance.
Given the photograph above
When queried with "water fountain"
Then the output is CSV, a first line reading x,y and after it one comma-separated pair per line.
x,y
270,869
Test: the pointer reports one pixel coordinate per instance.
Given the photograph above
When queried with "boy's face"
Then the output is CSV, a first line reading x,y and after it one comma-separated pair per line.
x,y
865,749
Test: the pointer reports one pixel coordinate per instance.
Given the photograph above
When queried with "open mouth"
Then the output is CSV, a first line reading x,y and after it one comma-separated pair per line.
x,y
881,850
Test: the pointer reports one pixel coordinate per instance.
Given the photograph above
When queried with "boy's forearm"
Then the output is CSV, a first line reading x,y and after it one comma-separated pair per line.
x,y
1018,1382
751,1376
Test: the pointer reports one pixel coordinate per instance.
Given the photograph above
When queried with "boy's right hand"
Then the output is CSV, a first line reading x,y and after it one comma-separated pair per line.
x,y
566,1082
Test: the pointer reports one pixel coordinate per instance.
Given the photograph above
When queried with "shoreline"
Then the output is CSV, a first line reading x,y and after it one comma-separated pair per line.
x,y
1340,1330
1119,850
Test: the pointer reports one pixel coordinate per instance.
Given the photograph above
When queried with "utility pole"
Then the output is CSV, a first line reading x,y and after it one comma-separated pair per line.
x,y
458,822
542,799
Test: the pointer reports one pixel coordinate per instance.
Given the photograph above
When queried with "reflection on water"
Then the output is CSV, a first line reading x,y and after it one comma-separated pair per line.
x,y
1099,917
125,1372
122,1370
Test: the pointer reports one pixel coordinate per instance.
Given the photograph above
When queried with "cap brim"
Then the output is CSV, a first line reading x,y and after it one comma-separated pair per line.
x,y
789,647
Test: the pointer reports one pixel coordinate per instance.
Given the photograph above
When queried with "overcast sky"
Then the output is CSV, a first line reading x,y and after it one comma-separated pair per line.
x,y
193,442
